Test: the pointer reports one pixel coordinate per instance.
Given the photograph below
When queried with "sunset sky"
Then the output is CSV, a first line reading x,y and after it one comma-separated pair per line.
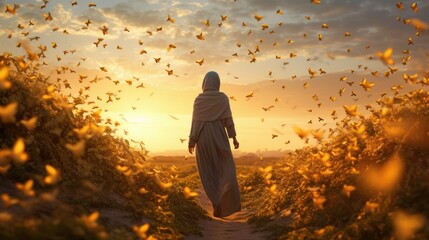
x,y
335,39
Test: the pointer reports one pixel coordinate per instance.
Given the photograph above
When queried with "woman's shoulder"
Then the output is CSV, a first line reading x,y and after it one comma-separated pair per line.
x,y
212,94
224,95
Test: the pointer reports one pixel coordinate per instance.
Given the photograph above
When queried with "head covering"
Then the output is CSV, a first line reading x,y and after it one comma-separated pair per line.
x,y
211,82
211,105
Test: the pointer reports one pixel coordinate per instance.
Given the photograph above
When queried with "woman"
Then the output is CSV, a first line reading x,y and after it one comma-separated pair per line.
x,y
216,166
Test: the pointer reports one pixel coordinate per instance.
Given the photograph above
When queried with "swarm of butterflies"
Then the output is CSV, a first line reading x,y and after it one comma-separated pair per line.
x,y
353,129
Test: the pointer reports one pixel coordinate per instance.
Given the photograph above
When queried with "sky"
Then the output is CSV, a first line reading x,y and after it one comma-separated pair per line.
x,y
132,57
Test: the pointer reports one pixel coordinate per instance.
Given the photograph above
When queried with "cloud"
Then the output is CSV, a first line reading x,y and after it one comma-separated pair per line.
x,y
133,17
370,24
180,12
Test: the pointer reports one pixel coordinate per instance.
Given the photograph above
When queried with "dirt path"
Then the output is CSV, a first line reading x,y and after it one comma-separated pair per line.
x,y
232,227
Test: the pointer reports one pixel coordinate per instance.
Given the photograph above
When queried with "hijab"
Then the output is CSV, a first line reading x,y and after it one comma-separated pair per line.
x,y
211,104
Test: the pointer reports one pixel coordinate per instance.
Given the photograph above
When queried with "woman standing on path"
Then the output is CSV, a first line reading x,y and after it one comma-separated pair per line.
x,y
216,167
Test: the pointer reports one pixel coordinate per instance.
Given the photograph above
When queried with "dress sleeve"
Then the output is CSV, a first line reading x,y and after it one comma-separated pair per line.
x,y
195,130
230,128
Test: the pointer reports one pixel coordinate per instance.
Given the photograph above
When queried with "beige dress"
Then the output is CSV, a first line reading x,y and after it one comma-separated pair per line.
x,y
216,165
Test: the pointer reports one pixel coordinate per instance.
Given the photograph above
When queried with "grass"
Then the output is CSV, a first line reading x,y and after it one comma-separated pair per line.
x,y
98,183
367,179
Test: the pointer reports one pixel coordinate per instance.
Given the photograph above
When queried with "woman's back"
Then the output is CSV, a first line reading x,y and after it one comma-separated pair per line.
x,y
216,167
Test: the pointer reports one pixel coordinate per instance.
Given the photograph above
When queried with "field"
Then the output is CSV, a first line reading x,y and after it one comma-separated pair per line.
x,y
369,178
334,87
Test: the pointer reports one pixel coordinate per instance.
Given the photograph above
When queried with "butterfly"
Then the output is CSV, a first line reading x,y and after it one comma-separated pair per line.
x,y
29,124
10,9
7,113
169,19
53,176
141,231
188,192
351,110
366,85
258,17
201,62
47,17
200,37
77,149
26,188
169,72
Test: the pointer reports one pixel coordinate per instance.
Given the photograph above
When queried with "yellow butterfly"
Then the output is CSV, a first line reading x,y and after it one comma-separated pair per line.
x,y
386,177
90,221
188,193
53,176
141,231
414,7
26,188
4,83
29,124
169,19
351,110
18,153
273,189
400,5
366,85
201,62
8,112
169,72
8,201
386,56
347,189
48,17
165,185
301,132
200,37
124,169
258,17
77,149
206,22
10,9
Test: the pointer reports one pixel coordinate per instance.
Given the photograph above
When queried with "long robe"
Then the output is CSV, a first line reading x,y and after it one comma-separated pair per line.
x,y
215,162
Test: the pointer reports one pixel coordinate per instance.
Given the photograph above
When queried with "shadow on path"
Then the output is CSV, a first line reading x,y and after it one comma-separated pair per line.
x,y
234,226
